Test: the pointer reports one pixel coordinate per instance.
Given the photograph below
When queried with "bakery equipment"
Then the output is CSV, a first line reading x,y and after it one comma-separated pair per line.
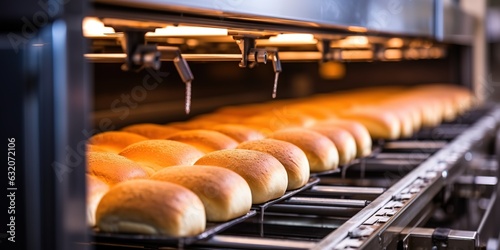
x,y
421,192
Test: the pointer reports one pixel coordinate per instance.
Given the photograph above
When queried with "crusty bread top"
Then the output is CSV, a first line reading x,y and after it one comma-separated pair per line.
x,y
225,194
205,140
151,207
320,151
240,133
292,157
162,153
115,141
357,130
343,140
113,168
151,130
265,175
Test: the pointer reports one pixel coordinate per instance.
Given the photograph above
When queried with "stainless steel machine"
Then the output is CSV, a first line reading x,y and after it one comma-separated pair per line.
x,y
169,60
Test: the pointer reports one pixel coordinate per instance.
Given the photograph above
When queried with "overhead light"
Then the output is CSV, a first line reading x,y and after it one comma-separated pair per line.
x,y
357,29
293,38
92,26
395,43
188,31
354,42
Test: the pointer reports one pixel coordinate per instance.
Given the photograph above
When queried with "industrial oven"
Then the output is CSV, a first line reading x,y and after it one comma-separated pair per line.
x,y
76,68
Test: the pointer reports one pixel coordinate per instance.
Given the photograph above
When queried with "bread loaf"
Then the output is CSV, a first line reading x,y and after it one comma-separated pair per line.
x,y
204,140
95,148
96,188
225,194
265,175
113,168
357,130
291,157
280,119
115,141
151,207
380,123
239,133
320,151
158,154
151,131
343,140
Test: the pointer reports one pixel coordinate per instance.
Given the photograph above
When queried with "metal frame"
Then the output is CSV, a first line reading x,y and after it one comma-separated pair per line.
x,y
54,95
444,162
413,18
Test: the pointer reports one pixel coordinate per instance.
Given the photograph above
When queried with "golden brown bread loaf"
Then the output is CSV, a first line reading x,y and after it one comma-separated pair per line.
x,y
280,119
321,153
151,130
204,140
224,193
158,154
316,111
193,124
96,188
95,148
113,168
239,133
343,140
115,141
357,130
292,157
151,207
265,175
380,123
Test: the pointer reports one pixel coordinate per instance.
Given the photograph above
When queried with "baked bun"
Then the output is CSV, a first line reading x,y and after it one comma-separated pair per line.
x,y
95,148
204,140
291,157
96,188
193,124
225,194
158,154
380,123
239,133
113,168
357,130
317,112
151,130
343,140
265,175
115,141
320,151
280,119
151,207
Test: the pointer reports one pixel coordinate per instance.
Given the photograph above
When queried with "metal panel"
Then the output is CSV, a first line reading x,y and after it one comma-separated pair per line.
x,y
445,159
452,24
400,17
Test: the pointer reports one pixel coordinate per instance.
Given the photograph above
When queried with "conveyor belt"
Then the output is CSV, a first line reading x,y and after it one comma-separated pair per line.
x,y
356,206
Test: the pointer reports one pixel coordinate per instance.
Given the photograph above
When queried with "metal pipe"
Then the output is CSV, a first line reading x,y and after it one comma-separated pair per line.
x,y
283,56
327,202
254,243
314,210
339,190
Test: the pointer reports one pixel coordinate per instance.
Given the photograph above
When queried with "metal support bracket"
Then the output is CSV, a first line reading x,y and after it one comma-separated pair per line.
x,y
174,54
139,54
251,56
273,55
439,238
